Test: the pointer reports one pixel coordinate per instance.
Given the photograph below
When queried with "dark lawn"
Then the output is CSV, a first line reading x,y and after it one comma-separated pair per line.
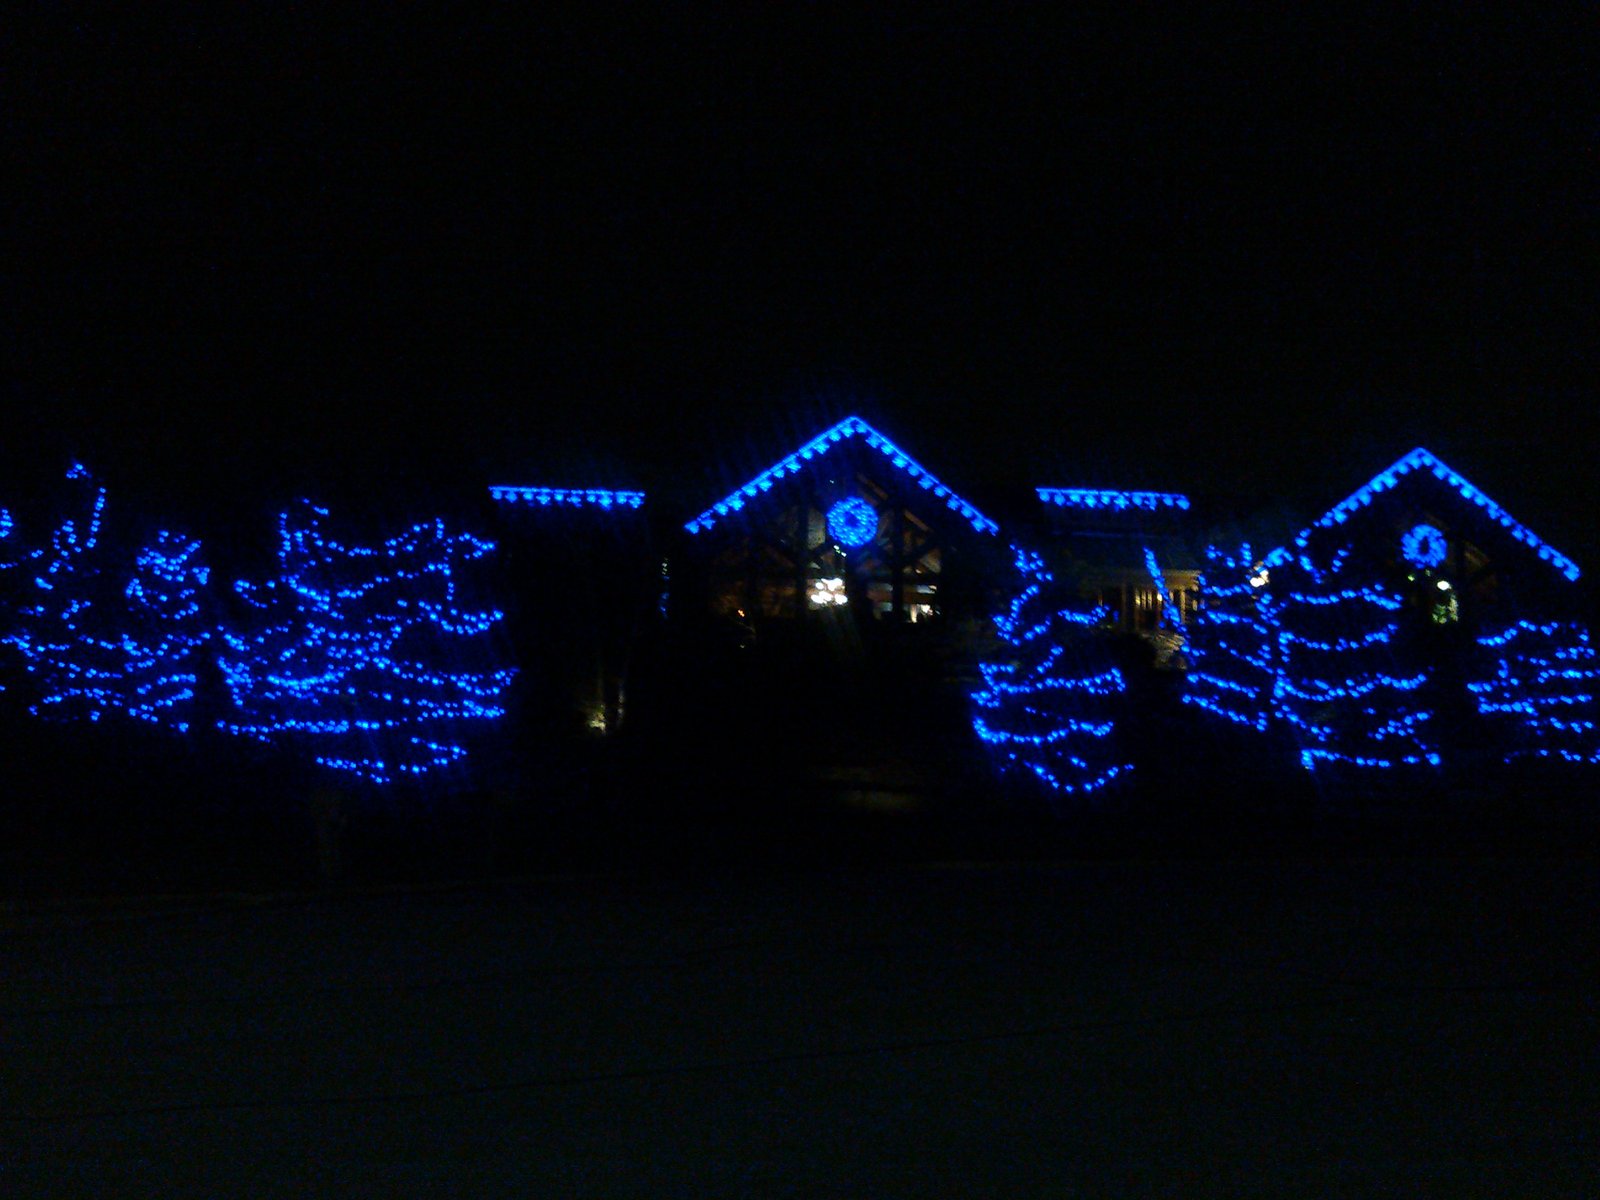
x,y
1284,1028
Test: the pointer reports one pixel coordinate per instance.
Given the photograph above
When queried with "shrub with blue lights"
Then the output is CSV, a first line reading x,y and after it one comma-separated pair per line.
x,y
1540,691
61,630
166,632
1048,706
94,645
1339,688
1232,642
364,657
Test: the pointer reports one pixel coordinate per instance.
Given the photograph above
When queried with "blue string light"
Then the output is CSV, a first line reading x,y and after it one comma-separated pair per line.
x,y
1334,687
548,497
93,652
1037,713
1170,618
1233,642
1422,460
168,596
1111,501
356,652
853,522
1541,691
57,626
823,443
1423,546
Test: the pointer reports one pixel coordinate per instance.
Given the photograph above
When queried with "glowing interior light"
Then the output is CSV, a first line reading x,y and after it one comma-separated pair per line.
x,y
850,427
826,593
853,522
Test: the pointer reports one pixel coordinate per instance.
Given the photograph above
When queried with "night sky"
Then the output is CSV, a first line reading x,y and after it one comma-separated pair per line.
x,y
250,256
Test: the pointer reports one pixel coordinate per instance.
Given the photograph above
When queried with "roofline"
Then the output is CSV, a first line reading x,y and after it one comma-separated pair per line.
x,y
1419,458
567,497
1105,498
825,441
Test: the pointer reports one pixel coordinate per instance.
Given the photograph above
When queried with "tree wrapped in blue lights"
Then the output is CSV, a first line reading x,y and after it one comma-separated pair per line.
x,y
166,632
1048,707
1338,688
72,657
1541,691
363,657
93,648
1233,642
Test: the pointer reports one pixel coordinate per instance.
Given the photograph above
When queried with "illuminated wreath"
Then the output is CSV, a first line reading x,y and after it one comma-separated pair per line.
x,y
853,522
1423,546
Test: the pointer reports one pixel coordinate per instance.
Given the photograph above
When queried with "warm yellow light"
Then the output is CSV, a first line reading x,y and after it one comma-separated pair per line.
x,y
825,592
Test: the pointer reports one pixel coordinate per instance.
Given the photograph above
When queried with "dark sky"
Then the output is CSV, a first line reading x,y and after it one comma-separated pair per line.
x,y
249,255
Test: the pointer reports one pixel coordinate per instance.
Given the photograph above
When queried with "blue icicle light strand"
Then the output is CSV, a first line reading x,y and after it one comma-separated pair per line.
x,y
1110,501
1047,708
822,444
1421,459
605,499
359,654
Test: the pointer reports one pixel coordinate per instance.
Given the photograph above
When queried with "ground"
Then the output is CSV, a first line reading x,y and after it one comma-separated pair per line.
x,y
1275,1028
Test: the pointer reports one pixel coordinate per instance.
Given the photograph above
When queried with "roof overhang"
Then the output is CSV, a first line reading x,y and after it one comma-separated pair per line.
x,y
1421,459
826,441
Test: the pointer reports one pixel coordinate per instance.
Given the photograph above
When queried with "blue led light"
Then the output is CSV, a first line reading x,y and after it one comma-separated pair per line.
x,y
1047,707
94,652
1541,690
1423,546
1111,500
1421,459
1232,642
853,522
1335,686
548,497
362,656
834,435
1170,617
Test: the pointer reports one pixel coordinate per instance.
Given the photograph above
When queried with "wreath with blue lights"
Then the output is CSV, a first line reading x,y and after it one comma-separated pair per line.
x,y
853,522
1423,546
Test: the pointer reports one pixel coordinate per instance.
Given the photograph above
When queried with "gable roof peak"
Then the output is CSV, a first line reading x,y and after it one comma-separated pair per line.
x,y
1422,457
841,431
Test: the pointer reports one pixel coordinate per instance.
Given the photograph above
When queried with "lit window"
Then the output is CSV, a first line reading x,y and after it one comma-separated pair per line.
x,y
826,593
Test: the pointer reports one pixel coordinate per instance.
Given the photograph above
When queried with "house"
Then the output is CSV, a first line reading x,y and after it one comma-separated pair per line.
x,y
845,543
